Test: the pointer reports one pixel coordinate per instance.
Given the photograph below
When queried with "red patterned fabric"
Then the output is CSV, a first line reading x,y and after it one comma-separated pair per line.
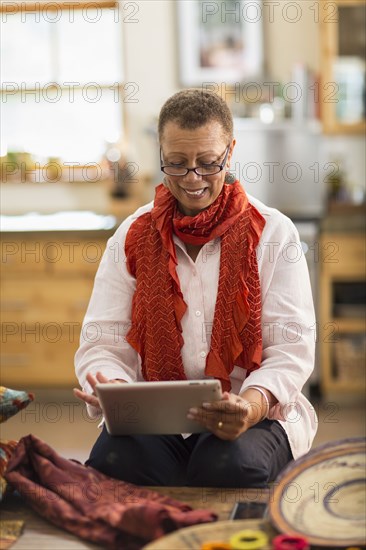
x,y
112,513
158,305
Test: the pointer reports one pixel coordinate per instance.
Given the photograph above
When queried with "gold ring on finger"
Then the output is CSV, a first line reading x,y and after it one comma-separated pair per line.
x,y
220,425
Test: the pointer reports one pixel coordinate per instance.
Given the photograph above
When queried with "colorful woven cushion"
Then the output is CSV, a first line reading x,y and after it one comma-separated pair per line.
x,y
12,401
6,450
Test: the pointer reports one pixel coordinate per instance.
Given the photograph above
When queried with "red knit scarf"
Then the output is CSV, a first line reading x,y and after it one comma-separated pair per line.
x,y
158,305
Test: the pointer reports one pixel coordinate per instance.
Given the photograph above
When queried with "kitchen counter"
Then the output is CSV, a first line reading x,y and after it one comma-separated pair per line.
x,y
71,221
19,199
59,221
47,277
48,263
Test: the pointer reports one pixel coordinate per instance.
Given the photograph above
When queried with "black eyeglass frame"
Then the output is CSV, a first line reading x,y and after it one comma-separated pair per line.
x,y
219,166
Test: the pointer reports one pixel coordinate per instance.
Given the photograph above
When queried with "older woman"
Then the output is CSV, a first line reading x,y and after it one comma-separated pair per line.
x,y
199,283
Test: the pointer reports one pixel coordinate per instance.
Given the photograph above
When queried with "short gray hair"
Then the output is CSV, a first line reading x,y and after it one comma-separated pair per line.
x,y
193,108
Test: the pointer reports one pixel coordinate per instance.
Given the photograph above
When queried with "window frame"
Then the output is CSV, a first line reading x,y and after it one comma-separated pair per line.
x,y
121,88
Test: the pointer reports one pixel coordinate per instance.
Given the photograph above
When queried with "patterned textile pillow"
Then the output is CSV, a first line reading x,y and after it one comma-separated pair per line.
x,y
12,401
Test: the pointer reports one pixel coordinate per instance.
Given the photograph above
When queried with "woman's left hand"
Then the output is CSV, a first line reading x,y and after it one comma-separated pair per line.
x,y
227,418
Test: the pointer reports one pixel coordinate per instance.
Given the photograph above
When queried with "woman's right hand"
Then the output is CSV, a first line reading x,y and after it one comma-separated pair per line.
x,y
92,399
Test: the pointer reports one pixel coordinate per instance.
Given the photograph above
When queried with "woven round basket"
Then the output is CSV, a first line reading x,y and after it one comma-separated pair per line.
x,y
321,496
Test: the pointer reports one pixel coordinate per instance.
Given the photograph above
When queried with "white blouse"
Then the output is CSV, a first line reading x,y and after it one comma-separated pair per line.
x,y
288,320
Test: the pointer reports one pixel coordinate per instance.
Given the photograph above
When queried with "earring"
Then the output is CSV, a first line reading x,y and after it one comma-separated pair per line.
x,y
230,178
165,181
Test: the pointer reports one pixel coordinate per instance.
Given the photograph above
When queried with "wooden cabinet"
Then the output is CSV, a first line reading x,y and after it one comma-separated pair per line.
x,y
342,317
343,24
45,289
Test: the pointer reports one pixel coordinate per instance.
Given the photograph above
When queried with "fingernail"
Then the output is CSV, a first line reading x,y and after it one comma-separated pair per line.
x,y
206,405
193,411
190,416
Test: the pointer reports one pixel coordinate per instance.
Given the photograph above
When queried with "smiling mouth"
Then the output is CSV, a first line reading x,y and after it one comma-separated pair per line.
x,y
197,193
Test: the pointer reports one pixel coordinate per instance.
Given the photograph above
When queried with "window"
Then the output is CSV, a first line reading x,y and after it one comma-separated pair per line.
x,y
61,81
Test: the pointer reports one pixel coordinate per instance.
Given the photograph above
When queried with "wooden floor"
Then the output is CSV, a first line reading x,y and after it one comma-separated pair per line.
x,y
42,535
39,534
61,421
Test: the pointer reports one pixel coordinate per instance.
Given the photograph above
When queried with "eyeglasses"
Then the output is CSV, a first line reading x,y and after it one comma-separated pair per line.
x,y
203,170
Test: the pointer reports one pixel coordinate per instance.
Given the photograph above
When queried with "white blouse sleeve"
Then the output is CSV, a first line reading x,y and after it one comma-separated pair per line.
x,y
288,317
103,346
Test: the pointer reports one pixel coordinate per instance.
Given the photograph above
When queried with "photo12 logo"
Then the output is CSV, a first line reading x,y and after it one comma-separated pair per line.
x,y
54,12
255,11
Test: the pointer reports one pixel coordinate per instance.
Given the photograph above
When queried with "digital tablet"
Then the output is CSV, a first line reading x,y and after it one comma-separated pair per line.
x,y
248,510
155,407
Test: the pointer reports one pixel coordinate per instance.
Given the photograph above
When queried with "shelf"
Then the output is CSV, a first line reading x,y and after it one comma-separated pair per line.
x,y
345,208
345,129
349,325
342,38
341,343
355,386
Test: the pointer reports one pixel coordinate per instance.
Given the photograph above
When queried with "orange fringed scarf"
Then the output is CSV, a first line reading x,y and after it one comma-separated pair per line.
x,y
158,304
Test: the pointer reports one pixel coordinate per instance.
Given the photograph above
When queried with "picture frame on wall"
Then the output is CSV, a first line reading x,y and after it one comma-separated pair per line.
x,y
220,42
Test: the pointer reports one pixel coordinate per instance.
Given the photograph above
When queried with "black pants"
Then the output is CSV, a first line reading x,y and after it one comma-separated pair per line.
x,y
201,460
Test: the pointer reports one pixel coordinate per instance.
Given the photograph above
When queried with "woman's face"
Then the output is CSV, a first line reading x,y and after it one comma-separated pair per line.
x,y
190,149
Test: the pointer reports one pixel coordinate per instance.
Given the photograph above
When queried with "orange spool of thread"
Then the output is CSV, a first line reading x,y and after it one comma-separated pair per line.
x,y
215,545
